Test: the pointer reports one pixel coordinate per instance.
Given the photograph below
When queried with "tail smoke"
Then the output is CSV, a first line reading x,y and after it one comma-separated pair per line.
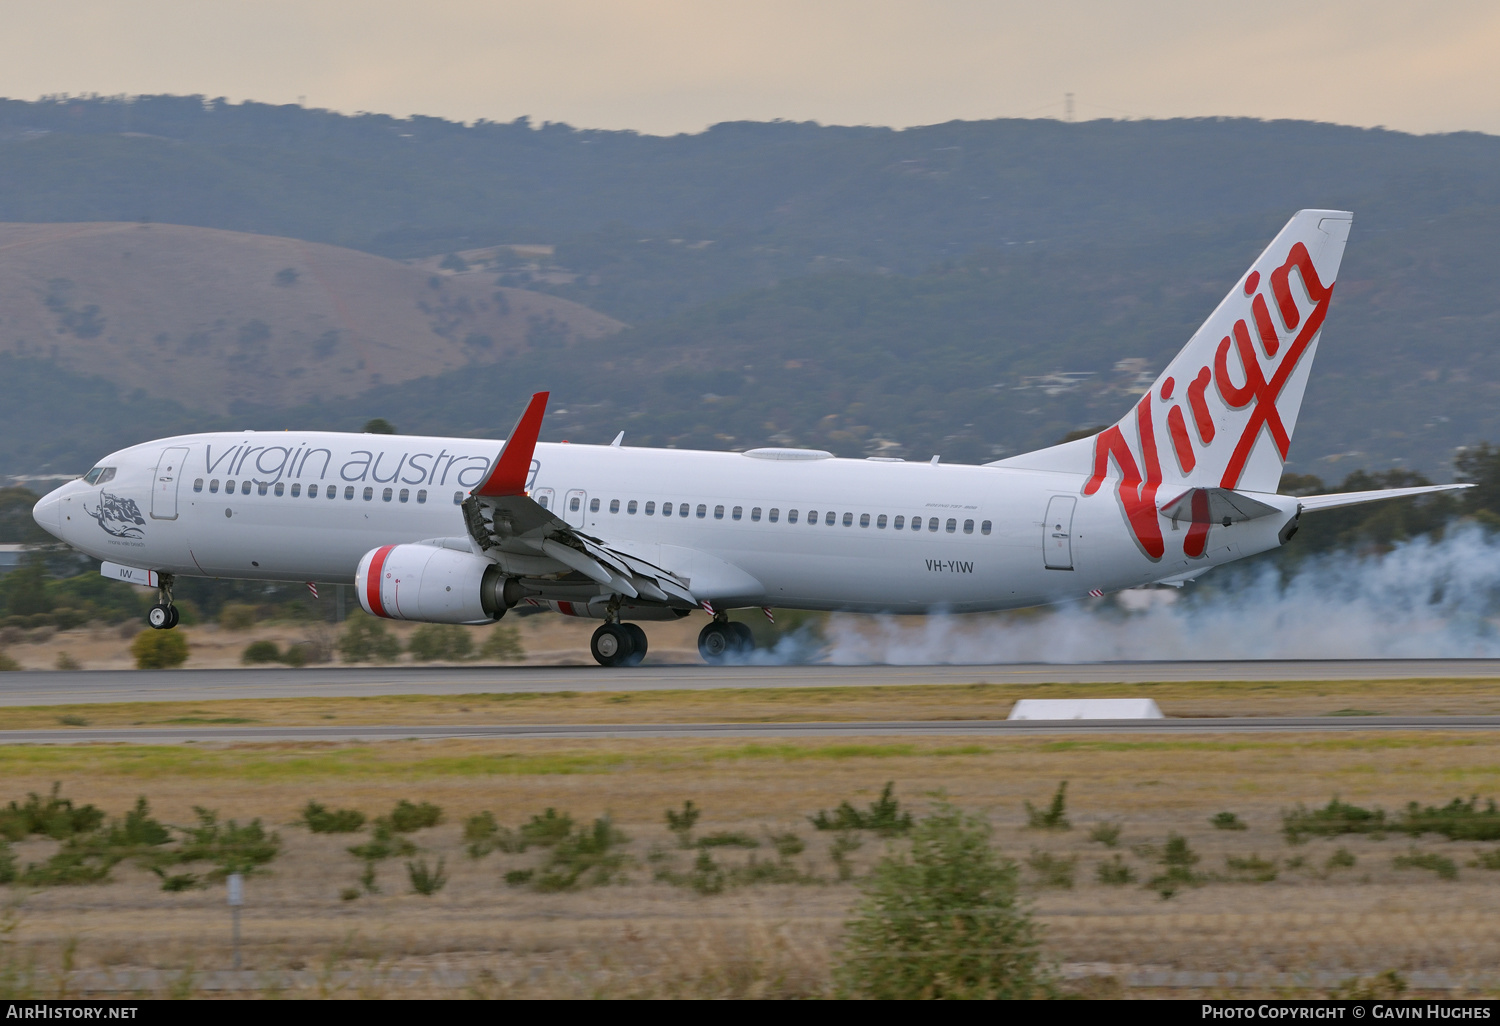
x,y
1424,599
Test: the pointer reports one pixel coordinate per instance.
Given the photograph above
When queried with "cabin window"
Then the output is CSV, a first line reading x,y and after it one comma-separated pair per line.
x,y
541,501
880,522
421,495
458,498
718,512
348,493
614,505
630,507
952,525
864,520
791,516
213,486
682,509
387,495
333,491
849,519
932,523
738,513
312,491
968,527
260,488
403,495
899,523
198,485
666,509
369,493
831,517
244,487
573,504
228,487
594,505
296,490
650,509
280,489
812,516
771,516
984,528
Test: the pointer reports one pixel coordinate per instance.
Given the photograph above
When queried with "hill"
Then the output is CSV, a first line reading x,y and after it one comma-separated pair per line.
x,y
221,320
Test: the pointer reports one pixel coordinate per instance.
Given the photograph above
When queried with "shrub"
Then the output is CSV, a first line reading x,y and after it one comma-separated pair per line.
x,y
65,661
237,616
502,645
408,818
8,870
1115,873
440,641
261,652
707,876
1442,865
1457,821
425,880
485,835
844,845
1341,859
681,823
1389,985
1177,861
1228,821
586,857
53,817
384,843
1056,815
87,858
1107,834
519,877
1334,819
787,845
943,921
340,821
1053,870
547,829
365,640
885,816
228,847
1252,868
159,650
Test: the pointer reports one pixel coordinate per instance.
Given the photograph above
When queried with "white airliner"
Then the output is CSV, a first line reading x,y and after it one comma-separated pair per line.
x,y
444,530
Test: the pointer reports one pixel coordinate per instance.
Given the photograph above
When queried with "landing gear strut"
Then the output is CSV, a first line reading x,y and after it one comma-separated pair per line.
x,y
163,616
618,644
724,638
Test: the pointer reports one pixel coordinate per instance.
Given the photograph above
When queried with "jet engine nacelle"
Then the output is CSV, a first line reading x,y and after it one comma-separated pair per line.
x,y
433,585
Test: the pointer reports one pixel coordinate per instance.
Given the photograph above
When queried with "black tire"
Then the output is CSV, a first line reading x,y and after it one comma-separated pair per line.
x,y
742,635
715,642
159,617
612,645
175,617
638,641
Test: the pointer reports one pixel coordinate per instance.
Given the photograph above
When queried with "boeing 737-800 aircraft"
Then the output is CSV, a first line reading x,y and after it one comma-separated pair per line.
x,y
445,530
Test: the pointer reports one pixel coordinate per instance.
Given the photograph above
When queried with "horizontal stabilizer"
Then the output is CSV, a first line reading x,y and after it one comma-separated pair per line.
x,y
1215,506
1337,499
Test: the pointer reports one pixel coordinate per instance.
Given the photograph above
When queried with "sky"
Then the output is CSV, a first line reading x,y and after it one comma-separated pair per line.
x,y
668,66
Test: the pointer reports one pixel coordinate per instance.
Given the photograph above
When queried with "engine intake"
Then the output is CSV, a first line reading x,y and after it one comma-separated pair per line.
x,y
433,585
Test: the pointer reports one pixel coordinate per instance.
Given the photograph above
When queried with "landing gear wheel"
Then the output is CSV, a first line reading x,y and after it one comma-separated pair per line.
x,y
612,645
638,641
175,617
717,641
162,617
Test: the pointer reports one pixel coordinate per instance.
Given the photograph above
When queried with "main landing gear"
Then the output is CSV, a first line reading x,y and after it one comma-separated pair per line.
x,y
619,644
724,638
163,616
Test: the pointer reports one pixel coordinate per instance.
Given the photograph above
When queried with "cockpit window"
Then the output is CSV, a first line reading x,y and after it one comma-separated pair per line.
x,y
100,475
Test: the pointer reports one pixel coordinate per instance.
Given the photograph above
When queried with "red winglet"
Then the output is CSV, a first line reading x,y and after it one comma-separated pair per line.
x,y
513,465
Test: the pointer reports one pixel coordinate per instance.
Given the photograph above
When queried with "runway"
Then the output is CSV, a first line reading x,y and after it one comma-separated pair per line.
x,y
72,687
907,728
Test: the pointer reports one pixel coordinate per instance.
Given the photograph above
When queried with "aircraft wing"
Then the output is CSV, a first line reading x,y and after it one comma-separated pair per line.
x,y
1337,499
526,539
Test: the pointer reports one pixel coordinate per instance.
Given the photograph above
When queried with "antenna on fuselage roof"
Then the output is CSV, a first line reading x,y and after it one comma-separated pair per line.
x,y
618,439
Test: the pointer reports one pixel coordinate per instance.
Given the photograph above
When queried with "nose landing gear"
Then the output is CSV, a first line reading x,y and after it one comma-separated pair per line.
x,y
163,616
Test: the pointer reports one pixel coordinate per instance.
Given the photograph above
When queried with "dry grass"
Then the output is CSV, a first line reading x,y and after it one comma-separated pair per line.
x,y
648,938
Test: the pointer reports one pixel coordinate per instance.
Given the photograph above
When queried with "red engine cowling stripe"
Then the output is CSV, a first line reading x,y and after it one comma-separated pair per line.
x,y
372,580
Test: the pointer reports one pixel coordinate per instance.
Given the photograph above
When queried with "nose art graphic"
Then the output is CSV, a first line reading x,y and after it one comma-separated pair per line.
x,y
118,516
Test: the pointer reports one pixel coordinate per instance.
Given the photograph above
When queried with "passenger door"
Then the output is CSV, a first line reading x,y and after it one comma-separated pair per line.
x,y
1057,533
575,507
164,486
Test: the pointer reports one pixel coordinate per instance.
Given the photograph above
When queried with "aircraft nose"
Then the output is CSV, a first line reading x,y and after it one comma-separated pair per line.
x,y
48,514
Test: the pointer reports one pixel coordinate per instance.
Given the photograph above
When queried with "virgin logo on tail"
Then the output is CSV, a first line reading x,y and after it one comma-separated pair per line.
x,y
1244,384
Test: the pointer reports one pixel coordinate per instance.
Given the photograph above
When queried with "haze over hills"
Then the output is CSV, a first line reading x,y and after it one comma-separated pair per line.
x,y
970,289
